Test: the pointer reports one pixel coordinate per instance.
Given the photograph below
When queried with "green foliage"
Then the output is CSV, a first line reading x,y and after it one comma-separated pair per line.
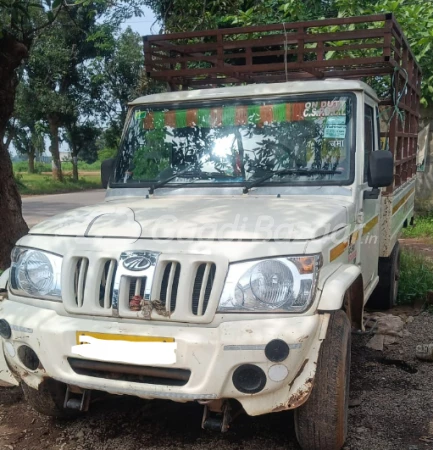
x,y
56,85
115,76
106,153
36,184
83,166
423,228
42,167
416,20
153,157
28,141
82,139
22,166
416,277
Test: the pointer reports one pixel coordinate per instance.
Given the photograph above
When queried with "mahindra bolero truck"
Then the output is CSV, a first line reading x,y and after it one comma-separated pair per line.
x,y
251,213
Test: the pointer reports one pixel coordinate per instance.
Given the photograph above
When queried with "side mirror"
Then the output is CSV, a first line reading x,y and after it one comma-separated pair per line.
x,y
380,169
107,168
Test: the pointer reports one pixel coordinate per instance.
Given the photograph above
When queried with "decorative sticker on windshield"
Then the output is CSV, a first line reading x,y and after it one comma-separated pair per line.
x,y
226,116
335,127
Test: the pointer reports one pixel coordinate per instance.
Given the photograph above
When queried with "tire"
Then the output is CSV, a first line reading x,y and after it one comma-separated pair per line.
x,y
321,422
48,399
385,294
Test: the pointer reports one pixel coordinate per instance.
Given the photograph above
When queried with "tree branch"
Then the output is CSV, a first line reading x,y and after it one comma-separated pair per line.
x,y
50,22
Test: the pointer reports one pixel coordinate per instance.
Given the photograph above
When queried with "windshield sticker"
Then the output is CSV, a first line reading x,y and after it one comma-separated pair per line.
x,y
227,116
335,127
337,144
325,108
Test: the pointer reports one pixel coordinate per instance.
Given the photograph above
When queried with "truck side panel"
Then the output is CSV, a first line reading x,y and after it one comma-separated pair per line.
x,y
396,208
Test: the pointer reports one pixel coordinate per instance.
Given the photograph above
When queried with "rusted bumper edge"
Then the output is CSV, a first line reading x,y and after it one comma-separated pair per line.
x,y
302,384
7,376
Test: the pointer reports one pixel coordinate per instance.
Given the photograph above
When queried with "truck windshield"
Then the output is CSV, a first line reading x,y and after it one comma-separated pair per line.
x,y
238,142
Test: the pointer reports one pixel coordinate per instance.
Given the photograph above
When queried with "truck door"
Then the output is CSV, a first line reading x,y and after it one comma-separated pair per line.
x,y
370,207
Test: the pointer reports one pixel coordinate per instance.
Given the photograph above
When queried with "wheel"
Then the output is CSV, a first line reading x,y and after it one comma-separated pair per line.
x,y
48,399
321,422
385,294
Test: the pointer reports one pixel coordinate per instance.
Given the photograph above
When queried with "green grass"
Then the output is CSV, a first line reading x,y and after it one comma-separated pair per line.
x,y
416,277
423,228
22,166
38,184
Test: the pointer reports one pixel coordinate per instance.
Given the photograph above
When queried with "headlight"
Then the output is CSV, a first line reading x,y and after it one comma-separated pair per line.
x,y
285,284
35,273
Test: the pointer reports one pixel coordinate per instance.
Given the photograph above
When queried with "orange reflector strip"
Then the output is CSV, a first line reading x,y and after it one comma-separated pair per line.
x,y
337,250
370,225
402,201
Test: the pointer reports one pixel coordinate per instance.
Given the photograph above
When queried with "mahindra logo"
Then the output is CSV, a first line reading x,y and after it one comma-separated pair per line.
x,y
136,263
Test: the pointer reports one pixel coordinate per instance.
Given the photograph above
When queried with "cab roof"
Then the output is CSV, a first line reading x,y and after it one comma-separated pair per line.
x,y
259,90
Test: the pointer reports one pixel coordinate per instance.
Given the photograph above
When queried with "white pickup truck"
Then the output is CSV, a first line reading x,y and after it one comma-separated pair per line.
x,y
243,232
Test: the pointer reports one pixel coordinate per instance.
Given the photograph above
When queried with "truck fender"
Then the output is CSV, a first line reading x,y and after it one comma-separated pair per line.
x,y
4,278
343,289
6,377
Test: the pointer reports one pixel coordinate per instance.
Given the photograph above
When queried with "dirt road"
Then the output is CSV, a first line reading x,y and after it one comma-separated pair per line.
x,y
391,397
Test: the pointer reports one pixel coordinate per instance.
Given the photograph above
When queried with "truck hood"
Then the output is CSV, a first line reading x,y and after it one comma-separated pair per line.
x,y
211,217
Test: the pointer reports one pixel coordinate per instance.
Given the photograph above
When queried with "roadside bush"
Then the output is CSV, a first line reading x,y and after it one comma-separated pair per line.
x,y
106,153
36,184
42,167
423,227
416,277
21,166
82,165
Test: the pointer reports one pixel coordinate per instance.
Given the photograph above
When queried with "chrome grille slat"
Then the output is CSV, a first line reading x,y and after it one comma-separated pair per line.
x,y
202,289
82,267
137,286
169,285
109,279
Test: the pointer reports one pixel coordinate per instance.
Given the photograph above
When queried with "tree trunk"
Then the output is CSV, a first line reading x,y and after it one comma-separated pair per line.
x,y
55,148
74,152
12,224
9,139
74,167
32,161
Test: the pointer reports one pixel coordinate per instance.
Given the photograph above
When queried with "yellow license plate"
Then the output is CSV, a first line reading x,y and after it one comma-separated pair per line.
x,y
122,337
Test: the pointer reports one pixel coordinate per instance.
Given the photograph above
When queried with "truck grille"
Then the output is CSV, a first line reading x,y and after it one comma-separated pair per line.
x,y
170,285
80,275
203,284
106,284
180,288
105,280
137,286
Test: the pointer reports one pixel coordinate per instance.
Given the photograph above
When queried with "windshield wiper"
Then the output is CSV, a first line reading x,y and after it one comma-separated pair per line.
x,y
188,172
287,172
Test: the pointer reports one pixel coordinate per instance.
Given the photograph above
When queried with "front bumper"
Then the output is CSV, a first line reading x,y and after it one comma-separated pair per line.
x,y
211,354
